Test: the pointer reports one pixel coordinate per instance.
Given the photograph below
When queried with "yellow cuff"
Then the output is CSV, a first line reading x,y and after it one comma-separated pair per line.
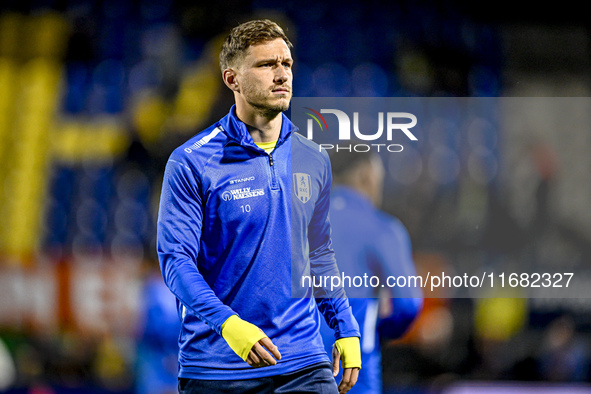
x,y
241,335
350,352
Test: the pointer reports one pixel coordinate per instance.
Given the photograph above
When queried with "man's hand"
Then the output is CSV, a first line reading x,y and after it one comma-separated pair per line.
x,y
259,357
249,342
348,351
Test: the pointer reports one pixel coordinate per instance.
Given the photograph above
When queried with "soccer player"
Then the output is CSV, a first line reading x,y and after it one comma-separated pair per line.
x,y
244,206
369,242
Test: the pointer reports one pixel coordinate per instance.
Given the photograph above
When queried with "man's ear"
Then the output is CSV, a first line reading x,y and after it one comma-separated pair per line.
x,y
229,77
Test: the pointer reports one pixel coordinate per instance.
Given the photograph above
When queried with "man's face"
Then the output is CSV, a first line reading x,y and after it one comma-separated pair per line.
x,y
265,77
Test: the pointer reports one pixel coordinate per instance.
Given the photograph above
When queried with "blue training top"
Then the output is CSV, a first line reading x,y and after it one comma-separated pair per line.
x,y
236,228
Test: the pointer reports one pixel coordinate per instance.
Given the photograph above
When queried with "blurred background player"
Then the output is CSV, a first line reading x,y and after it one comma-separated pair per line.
x,y
368,241
159,327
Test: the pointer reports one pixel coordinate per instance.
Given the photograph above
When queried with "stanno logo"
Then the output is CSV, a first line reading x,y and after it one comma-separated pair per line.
x,y
302,186
233,181
344,132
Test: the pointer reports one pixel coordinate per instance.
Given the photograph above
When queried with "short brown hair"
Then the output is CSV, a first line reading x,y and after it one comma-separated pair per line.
x,y
247,34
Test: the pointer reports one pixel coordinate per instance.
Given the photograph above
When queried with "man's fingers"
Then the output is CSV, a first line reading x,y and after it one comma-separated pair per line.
x,y
344,383
258,357
270,346
265,357
336,357
253,359
354,376
350,376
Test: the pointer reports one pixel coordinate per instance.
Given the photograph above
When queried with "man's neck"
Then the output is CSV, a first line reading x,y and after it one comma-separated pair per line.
x,y
362,190
260,127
